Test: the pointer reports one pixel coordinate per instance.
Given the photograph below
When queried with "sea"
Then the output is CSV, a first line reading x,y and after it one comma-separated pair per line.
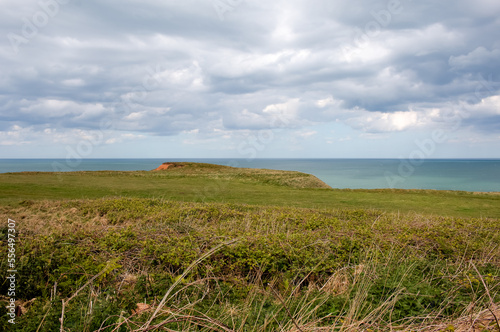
x,y
477,175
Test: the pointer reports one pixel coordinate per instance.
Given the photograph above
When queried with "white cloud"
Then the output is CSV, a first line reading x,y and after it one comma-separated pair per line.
x,y
479,56
76,82
120,138
330,101
307,134
486,108
16,135
385,122
55,108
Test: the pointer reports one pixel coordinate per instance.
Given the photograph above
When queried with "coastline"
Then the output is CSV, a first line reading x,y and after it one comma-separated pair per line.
x,y
471,175
217,183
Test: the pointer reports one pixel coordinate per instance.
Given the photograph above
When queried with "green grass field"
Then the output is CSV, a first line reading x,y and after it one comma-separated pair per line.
x,y
202,247
213,183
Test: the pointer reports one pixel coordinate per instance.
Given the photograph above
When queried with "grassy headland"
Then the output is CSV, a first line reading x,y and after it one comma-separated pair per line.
x,y
273,251
191,182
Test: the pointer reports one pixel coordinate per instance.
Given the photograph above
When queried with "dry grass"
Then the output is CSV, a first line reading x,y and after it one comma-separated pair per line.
x,y
123,236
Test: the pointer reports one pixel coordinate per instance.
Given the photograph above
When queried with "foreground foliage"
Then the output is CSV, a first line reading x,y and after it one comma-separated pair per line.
x,y
111,262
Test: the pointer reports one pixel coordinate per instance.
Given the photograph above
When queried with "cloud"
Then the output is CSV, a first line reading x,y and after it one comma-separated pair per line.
x,y
16,135
476,59
164,68
375,122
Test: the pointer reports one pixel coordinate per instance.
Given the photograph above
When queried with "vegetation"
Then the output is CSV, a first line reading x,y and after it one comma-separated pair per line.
x,y
191,182
143,260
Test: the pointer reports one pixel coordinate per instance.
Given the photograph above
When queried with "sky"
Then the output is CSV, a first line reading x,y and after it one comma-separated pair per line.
x,y
249,79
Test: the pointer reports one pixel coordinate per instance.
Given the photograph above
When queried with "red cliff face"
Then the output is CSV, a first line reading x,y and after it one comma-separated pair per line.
x,y
163,166
167,165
